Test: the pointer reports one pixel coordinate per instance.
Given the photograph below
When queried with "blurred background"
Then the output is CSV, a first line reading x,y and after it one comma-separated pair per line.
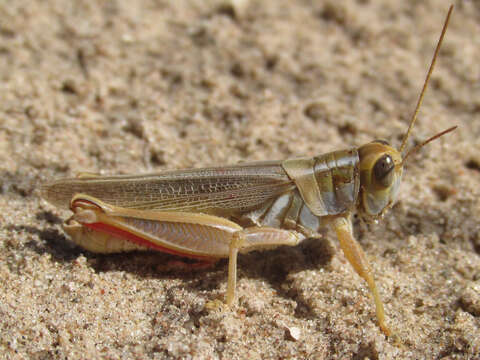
x,y
117,87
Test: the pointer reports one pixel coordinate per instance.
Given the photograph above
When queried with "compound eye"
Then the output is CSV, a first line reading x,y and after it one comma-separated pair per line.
x,y
383,170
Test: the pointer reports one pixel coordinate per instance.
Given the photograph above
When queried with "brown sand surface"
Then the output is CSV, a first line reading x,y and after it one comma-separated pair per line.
x,y
141,86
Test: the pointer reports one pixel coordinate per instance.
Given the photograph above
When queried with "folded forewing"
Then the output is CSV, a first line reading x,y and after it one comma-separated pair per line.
x,y
216,190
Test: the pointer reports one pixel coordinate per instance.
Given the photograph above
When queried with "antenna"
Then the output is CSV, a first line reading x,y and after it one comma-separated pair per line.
x,y
425,84
419,146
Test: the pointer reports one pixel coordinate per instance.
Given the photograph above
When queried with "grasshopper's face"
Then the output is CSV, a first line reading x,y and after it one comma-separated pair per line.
x,y
380,176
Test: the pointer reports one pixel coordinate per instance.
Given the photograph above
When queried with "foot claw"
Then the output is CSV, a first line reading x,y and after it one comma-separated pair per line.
x,y
215,305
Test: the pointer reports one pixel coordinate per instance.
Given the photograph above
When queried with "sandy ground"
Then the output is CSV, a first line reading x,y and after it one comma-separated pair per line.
x,y
136,87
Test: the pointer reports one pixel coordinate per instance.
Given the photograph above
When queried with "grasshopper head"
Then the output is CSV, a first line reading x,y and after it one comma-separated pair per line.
x,y
381,168
380,176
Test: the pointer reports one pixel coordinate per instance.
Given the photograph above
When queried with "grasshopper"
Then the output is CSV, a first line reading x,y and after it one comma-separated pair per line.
x,y
217,212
